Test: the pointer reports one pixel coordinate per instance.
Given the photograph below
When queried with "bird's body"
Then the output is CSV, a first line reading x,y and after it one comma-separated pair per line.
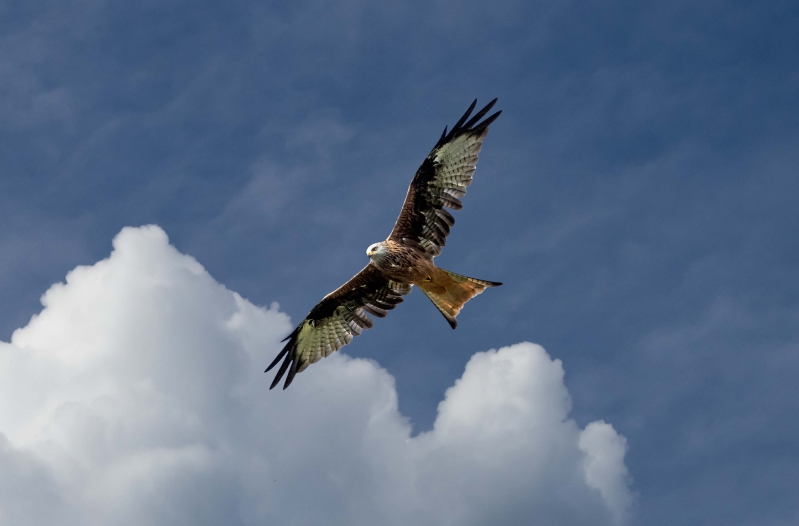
x,y
404,259
407,263
400,262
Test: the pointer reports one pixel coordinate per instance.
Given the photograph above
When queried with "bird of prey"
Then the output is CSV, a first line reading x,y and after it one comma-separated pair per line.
x,y
404,259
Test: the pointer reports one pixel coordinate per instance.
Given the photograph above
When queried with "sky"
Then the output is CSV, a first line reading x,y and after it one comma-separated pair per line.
x,y
636,197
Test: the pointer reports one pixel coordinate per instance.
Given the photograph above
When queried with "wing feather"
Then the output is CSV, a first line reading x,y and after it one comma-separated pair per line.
x,y
336,320
441,181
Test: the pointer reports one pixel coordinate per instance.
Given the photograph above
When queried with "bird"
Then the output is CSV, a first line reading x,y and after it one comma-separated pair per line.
x,y
404,259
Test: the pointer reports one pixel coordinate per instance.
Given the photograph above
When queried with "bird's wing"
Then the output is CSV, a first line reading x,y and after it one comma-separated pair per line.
x,y
336,319
440,182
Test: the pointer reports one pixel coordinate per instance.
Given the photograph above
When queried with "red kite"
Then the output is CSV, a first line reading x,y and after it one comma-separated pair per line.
x,y
404,259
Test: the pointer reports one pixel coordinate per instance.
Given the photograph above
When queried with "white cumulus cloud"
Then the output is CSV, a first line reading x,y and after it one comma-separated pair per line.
x,y
137,397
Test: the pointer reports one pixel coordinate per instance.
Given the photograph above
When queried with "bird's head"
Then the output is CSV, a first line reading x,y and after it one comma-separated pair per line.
x,y
376,250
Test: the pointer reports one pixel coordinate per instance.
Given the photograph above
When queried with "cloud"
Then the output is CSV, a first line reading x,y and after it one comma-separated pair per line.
x,y
137,397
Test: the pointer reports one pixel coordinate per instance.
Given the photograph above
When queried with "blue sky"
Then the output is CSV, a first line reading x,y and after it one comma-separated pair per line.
x,y
637,195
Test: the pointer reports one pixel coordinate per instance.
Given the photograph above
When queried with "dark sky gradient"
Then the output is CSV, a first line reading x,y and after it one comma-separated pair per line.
x,y
637,196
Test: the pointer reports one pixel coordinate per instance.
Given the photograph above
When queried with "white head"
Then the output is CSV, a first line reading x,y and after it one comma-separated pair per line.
x,y
376,250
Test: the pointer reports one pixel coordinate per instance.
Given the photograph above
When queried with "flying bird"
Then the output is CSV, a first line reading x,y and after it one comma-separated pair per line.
x,y
404,259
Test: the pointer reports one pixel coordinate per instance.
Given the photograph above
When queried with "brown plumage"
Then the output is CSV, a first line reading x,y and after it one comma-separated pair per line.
x,y
449,292
404,259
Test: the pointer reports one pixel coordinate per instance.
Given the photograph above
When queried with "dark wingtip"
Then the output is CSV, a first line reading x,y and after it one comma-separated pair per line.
x,y
462,126
285,349
483,125
453,323
465,116
479,115
493,117
274,362
288,360
292,373
275,381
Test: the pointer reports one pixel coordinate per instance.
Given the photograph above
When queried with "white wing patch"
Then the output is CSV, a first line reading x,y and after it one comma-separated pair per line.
x,y
454,164
319,339
329,335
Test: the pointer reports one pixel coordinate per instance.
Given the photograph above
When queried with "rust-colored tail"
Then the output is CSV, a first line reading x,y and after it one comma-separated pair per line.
x,y
449,292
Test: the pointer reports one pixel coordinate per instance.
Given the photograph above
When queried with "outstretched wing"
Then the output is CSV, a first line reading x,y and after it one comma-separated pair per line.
x,y
336,319
440,182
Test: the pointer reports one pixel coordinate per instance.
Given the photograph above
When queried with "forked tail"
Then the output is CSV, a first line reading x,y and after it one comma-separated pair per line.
x,y
449,292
